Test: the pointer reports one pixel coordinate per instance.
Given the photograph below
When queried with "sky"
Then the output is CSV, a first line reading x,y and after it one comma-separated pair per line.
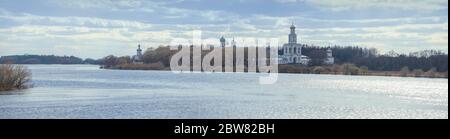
x,y
96,28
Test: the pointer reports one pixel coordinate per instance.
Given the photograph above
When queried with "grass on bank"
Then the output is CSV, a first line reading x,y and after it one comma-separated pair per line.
x,y
351,69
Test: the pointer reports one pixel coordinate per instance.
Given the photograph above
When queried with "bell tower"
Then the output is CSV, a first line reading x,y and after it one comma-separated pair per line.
x,y
292,35
139,51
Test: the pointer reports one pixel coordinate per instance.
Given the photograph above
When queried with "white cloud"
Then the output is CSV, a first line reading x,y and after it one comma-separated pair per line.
x,y
287,1
440,39
114,5
402,38
417,5
74,21
122,34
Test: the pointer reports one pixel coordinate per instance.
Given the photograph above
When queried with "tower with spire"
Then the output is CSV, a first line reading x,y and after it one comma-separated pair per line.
x,y
293,35
139,51
291,53
137,59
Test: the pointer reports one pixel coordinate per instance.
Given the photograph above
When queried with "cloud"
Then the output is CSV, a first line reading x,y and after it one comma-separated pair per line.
x,y
287,1
343,5
74,21
157,22
440,39
73,31
115,5
401,38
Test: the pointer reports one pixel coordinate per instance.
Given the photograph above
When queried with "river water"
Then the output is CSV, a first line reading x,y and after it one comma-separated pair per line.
x,y
85,92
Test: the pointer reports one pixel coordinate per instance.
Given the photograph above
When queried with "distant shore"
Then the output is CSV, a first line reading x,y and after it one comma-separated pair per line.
x,y
345,69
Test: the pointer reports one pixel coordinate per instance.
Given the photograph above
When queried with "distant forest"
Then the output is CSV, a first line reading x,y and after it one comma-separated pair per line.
x,y
423,60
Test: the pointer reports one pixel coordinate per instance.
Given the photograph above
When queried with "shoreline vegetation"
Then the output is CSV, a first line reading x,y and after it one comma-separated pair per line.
x,y
345,69
14,77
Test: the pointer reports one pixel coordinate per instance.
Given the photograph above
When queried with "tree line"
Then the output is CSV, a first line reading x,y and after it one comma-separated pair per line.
x,y
361,57
369,57
43,59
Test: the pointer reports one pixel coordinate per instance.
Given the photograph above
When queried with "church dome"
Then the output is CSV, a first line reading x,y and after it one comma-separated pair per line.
x,y
139,48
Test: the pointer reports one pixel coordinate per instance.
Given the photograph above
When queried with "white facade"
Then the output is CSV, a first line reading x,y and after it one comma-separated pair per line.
x,y
137,59
292,51
330,59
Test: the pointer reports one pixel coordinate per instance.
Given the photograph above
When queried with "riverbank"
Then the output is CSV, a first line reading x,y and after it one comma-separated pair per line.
x,y
154,66
345,69
13,77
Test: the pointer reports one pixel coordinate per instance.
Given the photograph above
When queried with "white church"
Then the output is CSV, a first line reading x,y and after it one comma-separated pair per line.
x,y
291,53
137,59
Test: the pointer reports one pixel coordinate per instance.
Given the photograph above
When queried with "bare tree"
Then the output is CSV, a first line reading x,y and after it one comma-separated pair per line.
x,y
14,77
